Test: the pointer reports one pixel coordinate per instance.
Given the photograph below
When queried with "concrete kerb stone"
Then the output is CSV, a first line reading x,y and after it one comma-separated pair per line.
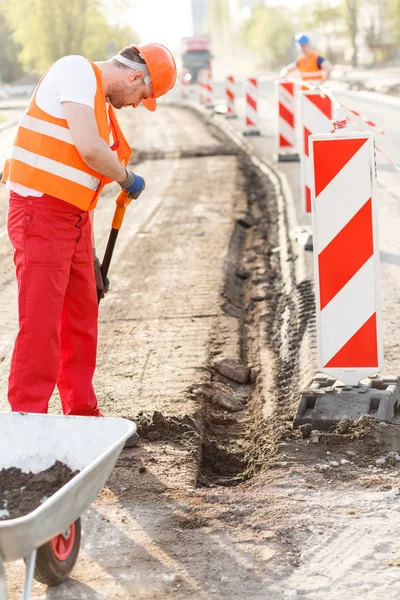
x,y
326,401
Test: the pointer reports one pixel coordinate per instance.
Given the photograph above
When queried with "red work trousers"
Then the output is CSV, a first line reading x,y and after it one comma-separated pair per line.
x,y
57,302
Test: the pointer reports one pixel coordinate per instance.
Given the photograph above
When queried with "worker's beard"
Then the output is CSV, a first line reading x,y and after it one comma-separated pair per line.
x,y
117,94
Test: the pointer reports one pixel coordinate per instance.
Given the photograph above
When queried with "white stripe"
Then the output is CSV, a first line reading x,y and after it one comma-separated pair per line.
x,y
287,100
287,131
251,114
307,170
343,197
54,167
45,128
314,119
313,74
347,312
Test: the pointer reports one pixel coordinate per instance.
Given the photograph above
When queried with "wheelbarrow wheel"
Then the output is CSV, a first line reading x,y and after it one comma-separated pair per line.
x,y
56,559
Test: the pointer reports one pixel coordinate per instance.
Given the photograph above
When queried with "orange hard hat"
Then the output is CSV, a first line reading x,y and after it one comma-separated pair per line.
x,y
162,70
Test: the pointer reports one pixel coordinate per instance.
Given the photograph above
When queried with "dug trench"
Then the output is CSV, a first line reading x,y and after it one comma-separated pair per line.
x,y
232,440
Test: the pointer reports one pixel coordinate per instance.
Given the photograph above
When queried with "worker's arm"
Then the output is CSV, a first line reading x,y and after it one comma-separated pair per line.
x,y
288,69
92,148
326,66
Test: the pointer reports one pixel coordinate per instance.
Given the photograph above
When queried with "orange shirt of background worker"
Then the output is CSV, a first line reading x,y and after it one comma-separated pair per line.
x,y
313,68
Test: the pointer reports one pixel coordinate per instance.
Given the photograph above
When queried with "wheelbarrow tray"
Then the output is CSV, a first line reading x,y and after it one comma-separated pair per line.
x,y
33,442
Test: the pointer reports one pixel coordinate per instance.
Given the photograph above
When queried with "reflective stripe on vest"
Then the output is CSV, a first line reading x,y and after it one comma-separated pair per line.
x,y
44,157
308,67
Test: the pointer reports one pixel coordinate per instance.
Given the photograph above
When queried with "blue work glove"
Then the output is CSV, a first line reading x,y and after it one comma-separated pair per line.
x,y
133,183
103,285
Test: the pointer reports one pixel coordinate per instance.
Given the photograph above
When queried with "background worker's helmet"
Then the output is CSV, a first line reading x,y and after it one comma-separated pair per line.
x,y
302,39
162,70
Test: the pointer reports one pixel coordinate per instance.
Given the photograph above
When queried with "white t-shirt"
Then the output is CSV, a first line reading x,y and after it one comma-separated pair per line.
x,y
70,79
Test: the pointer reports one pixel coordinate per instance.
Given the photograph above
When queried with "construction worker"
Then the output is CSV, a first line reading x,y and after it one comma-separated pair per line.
x,y
67,147
313,68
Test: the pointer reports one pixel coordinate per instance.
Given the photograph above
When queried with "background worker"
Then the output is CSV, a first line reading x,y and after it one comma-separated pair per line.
x,y
61,158
313,68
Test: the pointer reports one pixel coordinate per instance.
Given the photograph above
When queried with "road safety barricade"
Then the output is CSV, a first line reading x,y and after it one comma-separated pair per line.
x,y
202,85
230,97
286,92
251,107
184,84
315,117
209,89
346,255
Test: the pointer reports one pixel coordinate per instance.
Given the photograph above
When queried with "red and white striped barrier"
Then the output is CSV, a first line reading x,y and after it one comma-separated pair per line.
x,y
184,84
286,92
230,97
251,107
208,89
315,114
202,85
346,255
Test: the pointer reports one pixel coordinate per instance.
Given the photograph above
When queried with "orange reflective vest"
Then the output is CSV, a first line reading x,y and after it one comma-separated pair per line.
x,y
44,158
308,67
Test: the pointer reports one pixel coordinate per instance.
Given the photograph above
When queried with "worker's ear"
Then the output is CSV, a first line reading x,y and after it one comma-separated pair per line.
x,y
136,76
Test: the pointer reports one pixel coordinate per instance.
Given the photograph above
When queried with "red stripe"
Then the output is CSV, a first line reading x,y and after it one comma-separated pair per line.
x,y
345,254
286,115
253,81
308,199
307,134
360,351
323,103
249,122
289,87
283,143
330,156
231,79
252,102
230,95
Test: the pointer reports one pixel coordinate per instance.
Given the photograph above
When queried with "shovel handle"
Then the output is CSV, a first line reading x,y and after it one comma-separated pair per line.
x,y
123,200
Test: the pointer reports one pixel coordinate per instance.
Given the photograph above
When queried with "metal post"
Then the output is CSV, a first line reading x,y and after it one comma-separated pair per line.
x,y
3,581
30,570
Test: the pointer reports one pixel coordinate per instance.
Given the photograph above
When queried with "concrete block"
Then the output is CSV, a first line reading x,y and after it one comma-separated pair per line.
x,y
326,401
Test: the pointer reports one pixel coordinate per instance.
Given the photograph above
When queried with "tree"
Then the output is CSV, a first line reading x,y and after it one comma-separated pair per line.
x,y
394,15
10,67
327,17
270,32
352,9
49,29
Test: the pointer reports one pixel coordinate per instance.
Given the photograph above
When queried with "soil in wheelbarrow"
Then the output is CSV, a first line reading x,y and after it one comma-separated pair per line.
x,y
21,493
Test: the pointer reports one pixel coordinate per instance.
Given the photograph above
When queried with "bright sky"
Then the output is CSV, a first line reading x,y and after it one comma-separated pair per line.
x,y
164,21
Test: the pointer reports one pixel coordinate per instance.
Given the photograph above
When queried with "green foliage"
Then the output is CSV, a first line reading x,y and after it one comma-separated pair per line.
x,y
270,32
394,14
49,29
10,67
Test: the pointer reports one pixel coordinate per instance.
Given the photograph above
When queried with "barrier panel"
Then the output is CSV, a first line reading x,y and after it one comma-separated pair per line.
x,y
184,84
209,89
202,86
346,255
251,107
230,97
315,116
286,93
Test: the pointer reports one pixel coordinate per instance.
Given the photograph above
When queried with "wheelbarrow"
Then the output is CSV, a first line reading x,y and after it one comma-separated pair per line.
x,y
48,538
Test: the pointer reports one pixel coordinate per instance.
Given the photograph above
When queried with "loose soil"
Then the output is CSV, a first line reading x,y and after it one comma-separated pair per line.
x,y
21,493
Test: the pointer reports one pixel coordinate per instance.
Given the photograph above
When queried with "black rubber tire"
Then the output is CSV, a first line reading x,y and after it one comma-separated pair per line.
x,y
49,570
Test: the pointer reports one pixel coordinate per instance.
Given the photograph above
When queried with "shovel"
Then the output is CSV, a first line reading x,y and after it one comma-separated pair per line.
x,y
123,200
